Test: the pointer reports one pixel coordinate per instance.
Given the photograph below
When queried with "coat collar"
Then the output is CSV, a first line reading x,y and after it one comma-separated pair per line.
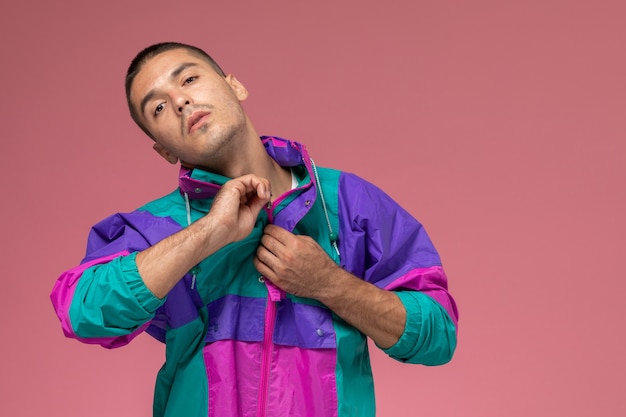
x,y
201,184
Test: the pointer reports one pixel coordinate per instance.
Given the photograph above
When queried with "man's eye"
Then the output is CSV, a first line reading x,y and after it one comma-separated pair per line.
x,y
158,109
189,80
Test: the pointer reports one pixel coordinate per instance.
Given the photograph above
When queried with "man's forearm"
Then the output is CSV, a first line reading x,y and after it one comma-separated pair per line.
x,y
232,217
377,313
164,264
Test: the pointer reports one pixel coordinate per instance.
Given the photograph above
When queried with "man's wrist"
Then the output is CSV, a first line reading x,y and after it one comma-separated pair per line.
x,y
339,285
212,235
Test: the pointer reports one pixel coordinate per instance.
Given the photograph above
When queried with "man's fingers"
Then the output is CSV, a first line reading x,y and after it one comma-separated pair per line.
x,y
256,204
257,185
263,268
271,244
249,188
263,190
278,233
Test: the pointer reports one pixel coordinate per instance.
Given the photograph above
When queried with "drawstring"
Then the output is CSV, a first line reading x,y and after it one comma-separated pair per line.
x,y
196,268
188,207
333,235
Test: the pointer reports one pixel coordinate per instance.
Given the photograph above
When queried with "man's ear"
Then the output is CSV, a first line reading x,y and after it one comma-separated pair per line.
x,y
167,155
239,89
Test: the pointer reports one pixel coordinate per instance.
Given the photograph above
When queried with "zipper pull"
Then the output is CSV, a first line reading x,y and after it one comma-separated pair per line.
x,y
275,294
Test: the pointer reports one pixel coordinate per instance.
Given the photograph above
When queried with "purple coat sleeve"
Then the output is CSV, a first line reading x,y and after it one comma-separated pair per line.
x,y
104,300
386,246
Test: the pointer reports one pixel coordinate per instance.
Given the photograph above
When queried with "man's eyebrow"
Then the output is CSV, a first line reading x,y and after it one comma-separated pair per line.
x,y
175,73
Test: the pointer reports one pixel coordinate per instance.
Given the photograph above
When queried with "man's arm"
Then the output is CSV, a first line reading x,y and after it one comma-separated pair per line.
x,y
390,284
231,218
112,296
299,266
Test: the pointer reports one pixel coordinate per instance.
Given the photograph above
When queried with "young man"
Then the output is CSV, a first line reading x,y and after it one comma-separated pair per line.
x,y
262,273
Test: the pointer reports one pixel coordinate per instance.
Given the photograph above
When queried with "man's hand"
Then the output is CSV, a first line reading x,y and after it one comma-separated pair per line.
x,y
231,218
298,265
237,205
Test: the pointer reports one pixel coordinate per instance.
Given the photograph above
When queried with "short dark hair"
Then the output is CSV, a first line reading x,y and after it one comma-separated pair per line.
x,y
150,52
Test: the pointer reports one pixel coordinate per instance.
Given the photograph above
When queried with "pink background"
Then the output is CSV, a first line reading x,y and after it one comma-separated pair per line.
x,y
499,124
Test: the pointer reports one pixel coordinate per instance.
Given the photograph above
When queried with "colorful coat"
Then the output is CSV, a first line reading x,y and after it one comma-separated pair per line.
x,y
235,344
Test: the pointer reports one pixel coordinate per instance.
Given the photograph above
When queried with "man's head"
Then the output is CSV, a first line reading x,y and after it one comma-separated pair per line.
x,y
181,98
150,52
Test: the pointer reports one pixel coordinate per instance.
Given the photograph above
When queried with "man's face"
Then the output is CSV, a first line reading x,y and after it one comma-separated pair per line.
x,y
193,113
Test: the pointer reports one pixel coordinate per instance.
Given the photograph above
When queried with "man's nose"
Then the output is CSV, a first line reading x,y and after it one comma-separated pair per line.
x,y
181,102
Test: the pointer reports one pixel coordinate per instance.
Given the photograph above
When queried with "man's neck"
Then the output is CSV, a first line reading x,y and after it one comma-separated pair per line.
x,y
252,158
265,166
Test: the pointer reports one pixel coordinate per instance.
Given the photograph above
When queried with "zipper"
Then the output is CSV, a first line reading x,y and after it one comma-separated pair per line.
x,y
274,295
270,319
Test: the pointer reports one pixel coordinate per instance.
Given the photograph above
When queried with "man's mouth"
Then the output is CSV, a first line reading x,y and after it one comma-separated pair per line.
x,y
196,120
